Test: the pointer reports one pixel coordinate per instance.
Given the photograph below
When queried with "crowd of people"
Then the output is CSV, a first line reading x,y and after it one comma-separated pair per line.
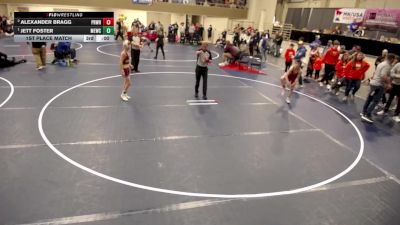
x,y
346,70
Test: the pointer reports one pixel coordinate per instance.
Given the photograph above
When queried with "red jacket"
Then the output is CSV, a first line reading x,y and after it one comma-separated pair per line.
x,y
331,57
287,54
317,64
339,68
357,71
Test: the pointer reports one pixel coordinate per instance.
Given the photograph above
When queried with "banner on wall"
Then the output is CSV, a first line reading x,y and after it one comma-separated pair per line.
x,y
382,19
348,15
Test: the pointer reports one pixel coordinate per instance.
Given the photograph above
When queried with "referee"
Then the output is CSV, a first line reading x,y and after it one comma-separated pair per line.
x,y
136,45
203,59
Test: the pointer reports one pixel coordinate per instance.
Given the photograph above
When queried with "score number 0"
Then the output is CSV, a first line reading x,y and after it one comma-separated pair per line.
x,y
108,21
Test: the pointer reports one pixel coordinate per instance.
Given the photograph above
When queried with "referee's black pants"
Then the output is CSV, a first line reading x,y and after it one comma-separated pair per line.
x,y
135,56
201,72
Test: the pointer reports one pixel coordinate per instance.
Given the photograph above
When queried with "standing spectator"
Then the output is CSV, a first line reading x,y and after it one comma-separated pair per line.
x,y
355,73
330,59
176,27
378,80
209,32
327,47
340,73
381,58
119,31
289,54
182,30
203,59
192,29
394,92
317,66
201,32
136,45
160,44
264,46
39,52
316,42
252,43
278,43
300,54
313,54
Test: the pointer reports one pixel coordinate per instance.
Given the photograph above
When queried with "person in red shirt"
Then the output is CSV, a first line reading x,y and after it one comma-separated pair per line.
x,y
289,53
330,59
355,73
317,66
340,80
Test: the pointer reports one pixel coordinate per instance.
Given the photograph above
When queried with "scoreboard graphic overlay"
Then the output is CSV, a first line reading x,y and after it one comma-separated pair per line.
x,y
64,26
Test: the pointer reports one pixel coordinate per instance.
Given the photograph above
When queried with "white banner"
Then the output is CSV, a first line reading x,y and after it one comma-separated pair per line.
x,y
348,15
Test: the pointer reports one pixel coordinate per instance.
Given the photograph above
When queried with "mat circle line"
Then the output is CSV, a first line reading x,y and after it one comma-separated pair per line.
x,y
11,91
165,60
195,194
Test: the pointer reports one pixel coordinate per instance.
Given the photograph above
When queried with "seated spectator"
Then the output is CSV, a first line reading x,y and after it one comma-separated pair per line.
x,y
337,30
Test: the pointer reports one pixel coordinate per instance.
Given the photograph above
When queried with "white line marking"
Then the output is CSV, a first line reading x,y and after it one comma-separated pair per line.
x,y
388,174
123,106
194,194
48,53
185,205
199,100
352,183
166,60
11,92
112,64
115,215
204,103
136,87
165,138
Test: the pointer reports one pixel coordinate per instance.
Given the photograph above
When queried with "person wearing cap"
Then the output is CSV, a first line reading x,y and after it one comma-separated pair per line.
x,y
330,60
203,59
300,54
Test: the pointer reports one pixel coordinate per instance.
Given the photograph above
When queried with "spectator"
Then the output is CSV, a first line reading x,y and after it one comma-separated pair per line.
x,y
209,32
377,89
330,59
160,44
394,92
355,73
300,54
278,42
289,54
381,58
